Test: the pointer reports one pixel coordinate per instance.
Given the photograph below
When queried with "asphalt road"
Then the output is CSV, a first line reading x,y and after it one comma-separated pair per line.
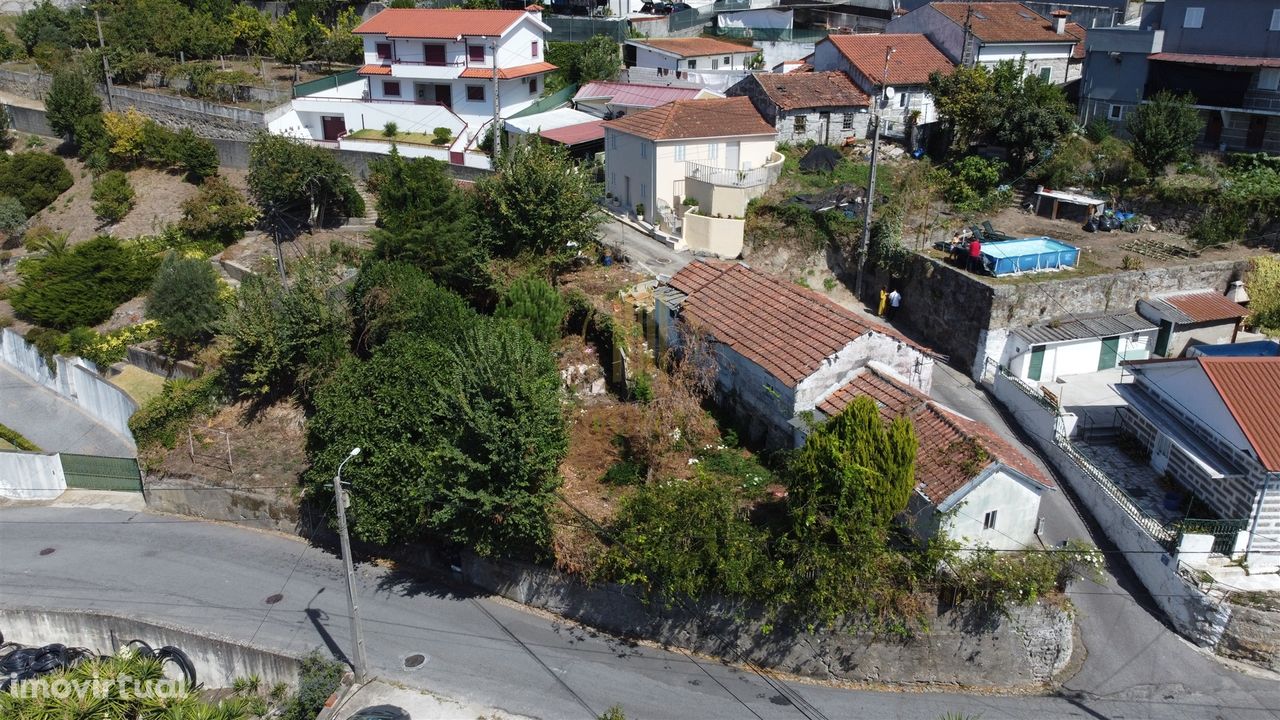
x,y
643,252
52,422
216,578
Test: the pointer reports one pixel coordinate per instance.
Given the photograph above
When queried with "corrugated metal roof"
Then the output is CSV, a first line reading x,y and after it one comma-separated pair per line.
x,y
1085,327
1250,387
1220,60
634,94
1206,306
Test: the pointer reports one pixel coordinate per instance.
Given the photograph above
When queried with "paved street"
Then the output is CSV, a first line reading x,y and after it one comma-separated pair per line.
x,y
52,422
645,254
487,653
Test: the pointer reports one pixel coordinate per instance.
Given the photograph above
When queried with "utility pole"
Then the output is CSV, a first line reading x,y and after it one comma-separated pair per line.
x,y
106,66
497,119
360,663
871,183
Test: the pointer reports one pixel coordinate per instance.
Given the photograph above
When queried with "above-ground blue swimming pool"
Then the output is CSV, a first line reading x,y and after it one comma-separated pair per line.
x,y
1028,254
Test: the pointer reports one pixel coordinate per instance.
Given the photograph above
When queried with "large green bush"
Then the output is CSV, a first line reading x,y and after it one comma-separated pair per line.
x,y
391,298
288,176
184,300
164,416
112,196
36,179
532,302
81,286
195,156
1163,129
974,184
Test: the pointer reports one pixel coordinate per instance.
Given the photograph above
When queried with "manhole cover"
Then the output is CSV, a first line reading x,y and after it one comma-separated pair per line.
x,y
273,599
47,551
415,660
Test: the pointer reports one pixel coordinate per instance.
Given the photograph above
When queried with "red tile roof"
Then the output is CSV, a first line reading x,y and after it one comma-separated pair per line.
x,y
1250,387
948,455
796,90
709,117
634,94
374,70
914,57
575,134
1222,60
507,73
1206,306
1002,22
785,329
694,46
439,24
1077,52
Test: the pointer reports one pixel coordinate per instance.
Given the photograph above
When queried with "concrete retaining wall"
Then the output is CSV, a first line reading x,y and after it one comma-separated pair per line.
x,y
963,647
75,379
218,662
192,496
31,476
1192,613
158,364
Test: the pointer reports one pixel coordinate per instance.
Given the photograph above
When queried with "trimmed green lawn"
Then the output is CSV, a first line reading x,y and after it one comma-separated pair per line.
x,y
139,384
408,138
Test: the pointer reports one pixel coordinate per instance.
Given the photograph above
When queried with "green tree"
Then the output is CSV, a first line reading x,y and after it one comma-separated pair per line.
x,y
36,179
1163,129
340,45
287,176
392,298
251,29
1264,294
1035,114
195,156
973,183
69,101
539,202
286,340
963,99
46,24
854,474
205,36
80,286
426,219
534,303
112,196
218,212
462,440
600,58
184,300
291,41
13,217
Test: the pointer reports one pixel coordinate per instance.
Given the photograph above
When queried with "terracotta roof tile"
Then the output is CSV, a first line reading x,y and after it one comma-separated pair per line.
x,y
785,329
795,90
914,57
1250,387
694,46
1003,22
508,73
439,23
374,70
709,117
634,94
575,134
949,441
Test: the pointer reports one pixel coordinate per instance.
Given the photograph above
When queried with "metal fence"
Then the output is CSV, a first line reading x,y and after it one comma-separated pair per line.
x,y
727,177
799,35
580,29
1223,531
91,472
1157,530
550,102
312,87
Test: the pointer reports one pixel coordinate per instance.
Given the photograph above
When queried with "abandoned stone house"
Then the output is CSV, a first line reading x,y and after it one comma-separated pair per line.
x,y
779,348
822,107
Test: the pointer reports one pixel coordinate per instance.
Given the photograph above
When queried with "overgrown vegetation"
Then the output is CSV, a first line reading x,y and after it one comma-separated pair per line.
x,y
81,286
16,439
598,58
186,302
36,179
162,418
1264,294
112,196
1163,130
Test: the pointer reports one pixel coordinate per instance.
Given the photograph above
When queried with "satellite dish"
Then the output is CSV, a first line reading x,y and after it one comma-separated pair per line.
x,y
889,92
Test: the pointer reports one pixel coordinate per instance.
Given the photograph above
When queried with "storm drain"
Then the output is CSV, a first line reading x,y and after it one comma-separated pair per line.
x,y
416,660
47,551
273,599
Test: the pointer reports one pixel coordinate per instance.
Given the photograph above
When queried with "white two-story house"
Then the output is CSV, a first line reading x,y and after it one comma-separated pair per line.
x,y
426,69
690,167
911,59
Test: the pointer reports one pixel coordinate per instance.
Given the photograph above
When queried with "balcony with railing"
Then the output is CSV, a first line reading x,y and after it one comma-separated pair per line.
x,y
764,175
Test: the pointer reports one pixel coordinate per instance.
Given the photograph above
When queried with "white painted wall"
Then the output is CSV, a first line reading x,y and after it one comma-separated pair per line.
x,y
647,57
1014,498
513,49
907,98
628,162
1072,357
905,360
765,19
31,476
1038,55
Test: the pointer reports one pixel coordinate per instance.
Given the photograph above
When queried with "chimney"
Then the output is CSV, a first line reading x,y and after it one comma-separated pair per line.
x,y
535,10
1236,293
1060,21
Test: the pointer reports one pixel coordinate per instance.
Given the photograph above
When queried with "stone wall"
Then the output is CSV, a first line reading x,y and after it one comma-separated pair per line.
x,y
963,316
1251,637
1022,649
194,497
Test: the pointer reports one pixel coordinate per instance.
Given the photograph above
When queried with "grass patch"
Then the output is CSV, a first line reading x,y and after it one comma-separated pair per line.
x,y
138,383
851,171
406,138
15,441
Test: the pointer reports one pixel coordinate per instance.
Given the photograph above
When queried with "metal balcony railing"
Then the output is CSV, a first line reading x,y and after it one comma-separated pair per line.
x,y
729,177
1158,531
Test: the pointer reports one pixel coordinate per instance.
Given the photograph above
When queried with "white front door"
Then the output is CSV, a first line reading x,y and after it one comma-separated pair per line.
x,y
731,157
1160,453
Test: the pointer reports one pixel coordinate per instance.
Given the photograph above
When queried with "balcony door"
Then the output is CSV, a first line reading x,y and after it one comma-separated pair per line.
x,y
433,94
433,54
732,154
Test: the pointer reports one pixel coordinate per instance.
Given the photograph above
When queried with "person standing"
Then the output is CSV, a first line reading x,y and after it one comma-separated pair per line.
x,y
895,301
884,299
975,255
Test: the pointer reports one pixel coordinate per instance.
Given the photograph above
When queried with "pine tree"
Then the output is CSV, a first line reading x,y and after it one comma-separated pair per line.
x,y
533,302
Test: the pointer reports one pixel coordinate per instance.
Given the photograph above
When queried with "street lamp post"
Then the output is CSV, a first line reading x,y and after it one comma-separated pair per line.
x,y
865,245
360,663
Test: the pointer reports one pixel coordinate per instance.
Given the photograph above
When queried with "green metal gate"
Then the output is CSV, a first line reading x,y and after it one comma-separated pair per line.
x,y
90,472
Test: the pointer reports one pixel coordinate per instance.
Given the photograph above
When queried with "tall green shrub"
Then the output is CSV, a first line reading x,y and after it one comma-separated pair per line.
x,y
80,286
112,196
184,300
1163,130
532,302
36,179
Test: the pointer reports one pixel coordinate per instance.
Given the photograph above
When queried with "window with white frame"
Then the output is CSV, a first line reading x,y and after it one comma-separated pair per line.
x,y
1194,18
713,151
989,521
533,48
846,123
1275,20
1269,79
391,88
1046,74
693,65
475,93
715,64
644,151
904,100
679,153
1115,112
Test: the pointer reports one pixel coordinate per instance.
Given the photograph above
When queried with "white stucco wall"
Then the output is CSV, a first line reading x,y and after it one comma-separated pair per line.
x,y
628,162
904,359
1054,56
1015,500
827,57
31,476
1072,357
